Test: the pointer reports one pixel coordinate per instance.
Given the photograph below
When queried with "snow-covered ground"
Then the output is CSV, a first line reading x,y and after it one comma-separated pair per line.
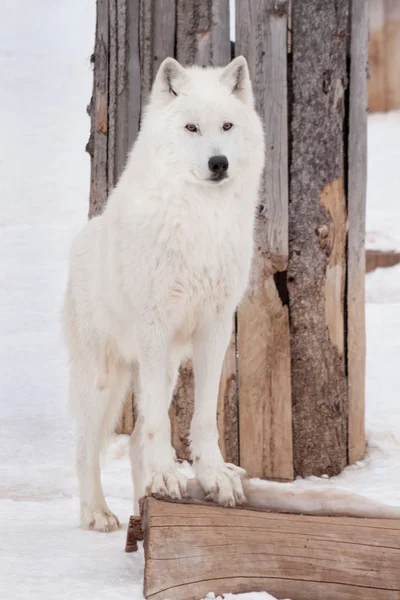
x,y
46,82
383,195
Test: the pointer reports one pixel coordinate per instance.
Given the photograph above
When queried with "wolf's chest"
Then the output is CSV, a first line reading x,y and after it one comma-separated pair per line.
x,y
204,264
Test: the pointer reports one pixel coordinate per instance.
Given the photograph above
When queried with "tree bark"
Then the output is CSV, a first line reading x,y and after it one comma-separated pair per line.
x,y
317,236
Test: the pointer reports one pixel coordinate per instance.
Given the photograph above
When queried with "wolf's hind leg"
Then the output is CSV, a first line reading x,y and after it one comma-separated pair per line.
x,y
96,409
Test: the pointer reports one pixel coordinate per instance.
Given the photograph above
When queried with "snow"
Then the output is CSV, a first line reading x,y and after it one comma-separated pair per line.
x,y
45,48
383,192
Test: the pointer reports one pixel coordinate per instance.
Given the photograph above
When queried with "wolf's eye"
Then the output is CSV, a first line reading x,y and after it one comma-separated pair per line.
x,y
227,126
190,127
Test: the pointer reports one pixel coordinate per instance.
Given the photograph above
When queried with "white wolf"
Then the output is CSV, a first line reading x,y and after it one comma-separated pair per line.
x,y
157,277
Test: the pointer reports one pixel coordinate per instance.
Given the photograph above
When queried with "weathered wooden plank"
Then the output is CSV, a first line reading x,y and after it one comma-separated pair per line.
x,y
157,39
263,319
202,31
164,31
317,236
99,111
202,37
192,549
356,204
124,108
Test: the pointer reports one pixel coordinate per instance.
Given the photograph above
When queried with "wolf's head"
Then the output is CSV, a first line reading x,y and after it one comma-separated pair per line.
x,y
202,125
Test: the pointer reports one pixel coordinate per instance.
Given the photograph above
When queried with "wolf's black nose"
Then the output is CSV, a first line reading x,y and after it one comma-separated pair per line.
x,y
218,164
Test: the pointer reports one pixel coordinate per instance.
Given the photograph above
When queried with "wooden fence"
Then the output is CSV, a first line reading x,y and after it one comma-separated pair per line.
x,y
291,398
384,55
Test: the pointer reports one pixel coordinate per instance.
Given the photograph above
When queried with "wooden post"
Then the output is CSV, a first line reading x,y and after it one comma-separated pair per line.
x,y
300,331
263,319
356,202
301,327
317,226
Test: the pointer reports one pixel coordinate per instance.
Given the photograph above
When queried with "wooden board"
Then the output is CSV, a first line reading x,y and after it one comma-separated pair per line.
x,y
263,318
98,112
356,206
191,550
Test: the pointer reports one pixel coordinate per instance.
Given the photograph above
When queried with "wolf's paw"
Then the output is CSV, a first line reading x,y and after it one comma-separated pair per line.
x,y
167,481
100,519
222,482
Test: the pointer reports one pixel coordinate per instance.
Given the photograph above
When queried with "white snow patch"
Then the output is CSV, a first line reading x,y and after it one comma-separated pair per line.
x,y
383,189
45,48
382,287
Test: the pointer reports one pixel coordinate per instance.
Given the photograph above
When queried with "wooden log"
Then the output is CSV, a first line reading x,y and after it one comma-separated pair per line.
x,y
317,237
356,204
378,259
263,317
192,549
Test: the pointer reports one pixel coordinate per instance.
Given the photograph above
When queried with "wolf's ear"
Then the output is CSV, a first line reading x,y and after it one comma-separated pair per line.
x,y
170,81
236,76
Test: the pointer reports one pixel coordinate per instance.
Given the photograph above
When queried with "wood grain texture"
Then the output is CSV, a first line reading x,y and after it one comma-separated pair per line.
x,y
356,202
157,39
202,31
192,549
99,112
384,55
181,411
263,318
317,237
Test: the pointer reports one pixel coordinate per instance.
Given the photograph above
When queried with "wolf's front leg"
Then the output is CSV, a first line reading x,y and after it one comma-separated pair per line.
x,y
154,466
221,481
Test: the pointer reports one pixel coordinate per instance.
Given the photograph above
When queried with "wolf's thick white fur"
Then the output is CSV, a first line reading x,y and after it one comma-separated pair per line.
x,y
156,278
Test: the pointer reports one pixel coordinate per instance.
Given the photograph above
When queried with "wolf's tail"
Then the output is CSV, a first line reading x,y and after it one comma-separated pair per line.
x,y
326,500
